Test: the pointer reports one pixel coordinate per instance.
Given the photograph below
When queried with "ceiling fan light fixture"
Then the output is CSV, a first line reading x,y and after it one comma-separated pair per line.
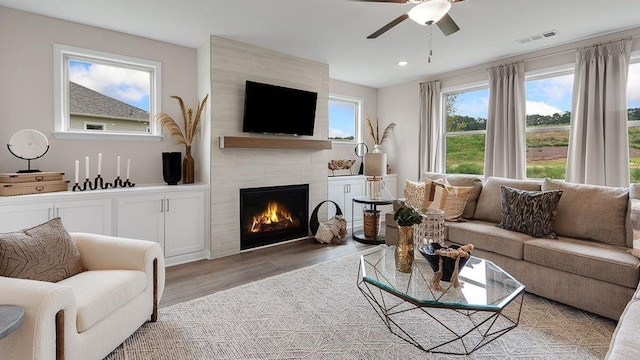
x,y
429,12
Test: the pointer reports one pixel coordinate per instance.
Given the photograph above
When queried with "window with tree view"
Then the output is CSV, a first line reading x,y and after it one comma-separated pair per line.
x,y
548,109
344,115
466,115
633,111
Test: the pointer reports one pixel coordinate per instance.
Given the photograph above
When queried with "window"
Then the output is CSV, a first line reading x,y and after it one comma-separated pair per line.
x,y
344,119
548,103
633,111
466,115
100,95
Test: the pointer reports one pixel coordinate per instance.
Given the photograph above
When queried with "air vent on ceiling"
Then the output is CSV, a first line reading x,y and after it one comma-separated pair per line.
x,y
539,36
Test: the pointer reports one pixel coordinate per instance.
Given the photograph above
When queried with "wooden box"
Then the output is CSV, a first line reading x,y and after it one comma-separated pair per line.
x,y
34,187
30,177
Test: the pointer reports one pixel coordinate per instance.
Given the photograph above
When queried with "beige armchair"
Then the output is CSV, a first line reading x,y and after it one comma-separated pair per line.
x,y
87,315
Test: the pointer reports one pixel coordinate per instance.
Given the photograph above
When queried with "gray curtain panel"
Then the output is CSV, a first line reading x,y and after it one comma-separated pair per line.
x,y
431,157
505,146
599,143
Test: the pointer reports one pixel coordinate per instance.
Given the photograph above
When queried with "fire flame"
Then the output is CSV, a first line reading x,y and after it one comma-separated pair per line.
x,y
275,215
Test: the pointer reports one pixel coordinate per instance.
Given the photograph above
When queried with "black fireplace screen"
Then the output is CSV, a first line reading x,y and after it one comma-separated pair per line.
x,y
269,215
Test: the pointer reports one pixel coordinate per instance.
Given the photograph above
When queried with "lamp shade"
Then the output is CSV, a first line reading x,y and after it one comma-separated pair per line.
x,y
429,12
375,164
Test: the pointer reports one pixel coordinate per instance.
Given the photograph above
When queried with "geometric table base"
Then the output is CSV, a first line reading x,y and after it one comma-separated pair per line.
x,y
440,329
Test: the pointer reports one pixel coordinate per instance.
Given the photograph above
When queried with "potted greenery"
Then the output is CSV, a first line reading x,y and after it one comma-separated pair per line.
x,y
406,216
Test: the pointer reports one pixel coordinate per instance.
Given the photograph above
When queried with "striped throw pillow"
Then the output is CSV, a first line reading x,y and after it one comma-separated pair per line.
x,y
451,199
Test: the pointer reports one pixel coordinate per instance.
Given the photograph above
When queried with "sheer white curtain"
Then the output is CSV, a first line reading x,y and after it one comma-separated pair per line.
x,y
505,147
431,129
599,142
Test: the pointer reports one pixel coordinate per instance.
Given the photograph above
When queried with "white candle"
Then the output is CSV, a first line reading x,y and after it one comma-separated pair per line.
x,y
77,169
86,165
128,167
118,168
99,163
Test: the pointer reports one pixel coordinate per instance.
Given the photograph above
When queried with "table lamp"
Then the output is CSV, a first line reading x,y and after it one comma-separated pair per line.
x,y
375,166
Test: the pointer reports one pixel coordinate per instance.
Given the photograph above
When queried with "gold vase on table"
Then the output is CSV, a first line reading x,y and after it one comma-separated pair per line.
x,y
404,249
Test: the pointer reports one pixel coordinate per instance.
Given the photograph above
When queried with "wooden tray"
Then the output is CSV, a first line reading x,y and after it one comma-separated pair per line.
x,y
35,187
30,177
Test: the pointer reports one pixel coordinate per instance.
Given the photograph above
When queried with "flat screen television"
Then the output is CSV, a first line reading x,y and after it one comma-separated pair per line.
x,y
271,109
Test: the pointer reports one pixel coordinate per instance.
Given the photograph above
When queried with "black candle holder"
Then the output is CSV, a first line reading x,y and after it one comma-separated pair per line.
x,y
98,183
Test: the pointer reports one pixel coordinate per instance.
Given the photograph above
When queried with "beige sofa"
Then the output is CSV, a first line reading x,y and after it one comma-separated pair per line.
x,y
588,266
87,315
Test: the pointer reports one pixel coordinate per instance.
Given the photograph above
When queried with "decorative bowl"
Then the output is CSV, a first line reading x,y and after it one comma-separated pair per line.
x,y
448,264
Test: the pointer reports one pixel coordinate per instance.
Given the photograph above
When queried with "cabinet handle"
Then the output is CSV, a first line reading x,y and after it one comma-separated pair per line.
x,y
49,214
57,212
161,205
167,205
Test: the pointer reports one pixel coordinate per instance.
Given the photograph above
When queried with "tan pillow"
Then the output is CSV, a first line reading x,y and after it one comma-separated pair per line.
x,y
451,199
462,180
591,212
414,193
489,206
44,252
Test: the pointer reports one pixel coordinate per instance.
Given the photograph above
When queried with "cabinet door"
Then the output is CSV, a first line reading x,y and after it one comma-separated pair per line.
x,y
336,192
142,217
184,223
18,217
91,216
356,189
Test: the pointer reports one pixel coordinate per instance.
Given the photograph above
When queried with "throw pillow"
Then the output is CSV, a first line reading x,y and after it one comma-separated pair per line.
x,y
44,252
414,193
451,199
592,212
462,180
530,212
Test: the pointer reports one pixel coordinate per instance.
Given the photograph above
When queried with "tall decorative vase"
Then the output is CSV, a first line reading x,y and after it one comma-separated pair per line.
x,y
404,250
188,168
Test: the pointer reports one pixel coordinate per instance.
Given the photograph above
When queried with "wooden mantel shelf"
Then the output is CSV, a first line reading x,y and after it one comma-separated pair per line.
x,y
272,143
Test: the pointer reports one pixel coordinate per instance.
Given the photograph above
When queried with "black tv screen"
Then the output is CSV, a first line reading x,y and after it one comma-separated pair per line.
x,y
275,109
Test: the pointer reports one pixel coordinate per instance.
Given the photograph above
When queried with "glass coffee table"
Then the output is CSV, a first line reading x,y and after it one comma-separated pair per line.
x,y
452,321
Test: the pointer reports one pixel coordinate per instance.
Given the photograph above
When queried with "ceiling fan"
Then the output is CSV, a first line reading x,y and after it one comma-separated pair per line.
x,y
426,12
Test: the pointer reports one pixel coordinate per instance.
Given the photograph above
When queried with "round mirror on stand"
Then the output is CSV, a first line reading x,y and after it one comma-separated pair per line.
x,y
28,144
360,150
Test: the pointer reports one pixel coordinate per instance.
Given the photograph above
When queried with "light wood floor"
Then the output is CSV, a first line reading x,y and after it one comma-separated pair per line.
x,y
204,277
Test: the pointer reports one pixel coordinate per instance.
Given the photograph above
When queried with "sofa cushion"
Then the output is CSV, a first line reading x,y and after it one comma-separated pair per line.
x,y
488,237
530,212
462,180
624,343
586,258
44,252
490,200
99,293
443,196
414,193
591,212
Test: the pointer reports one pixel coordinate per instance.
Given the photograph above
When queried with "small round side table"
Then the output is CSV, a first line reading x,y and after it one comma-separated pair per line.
x,y
11,317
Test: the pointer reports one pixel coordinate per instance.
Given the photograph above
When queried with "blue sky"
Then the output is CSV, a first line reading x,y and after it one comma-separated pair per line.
x,y
341,115
127,85
544,96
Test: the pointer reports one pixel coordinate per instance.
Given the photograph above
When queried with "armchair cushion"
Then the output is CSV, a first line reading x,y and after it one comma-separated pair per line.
x,y
102,292
44,252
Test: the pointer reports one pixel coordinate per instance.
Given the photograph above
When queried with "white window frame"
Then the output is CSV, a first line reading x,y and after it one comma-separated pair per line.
x,y
61,55
358,119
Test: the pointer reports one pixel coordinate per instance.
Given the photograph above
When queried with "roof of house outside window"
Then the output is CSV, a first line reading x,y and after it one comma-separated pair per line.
x,y
84,101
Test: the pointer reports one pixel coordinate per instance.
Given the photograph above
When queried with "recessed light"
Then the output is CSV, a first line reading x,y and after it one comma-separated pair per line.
x,y
402,63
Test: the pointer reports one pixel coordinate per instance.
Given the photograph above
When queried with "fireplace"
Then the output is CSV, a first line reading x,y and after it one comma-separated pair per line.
x,y
269,215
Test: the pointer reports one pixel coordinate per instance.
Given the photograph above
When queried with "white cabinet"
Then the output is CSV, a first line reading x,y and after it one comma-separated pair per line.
x,y
175,220
342,190
174,216
91,215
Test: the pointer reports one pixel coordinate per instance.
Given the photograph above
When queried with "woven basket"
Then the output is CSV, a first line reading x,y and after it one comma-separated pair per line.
x,y
372,222
314,223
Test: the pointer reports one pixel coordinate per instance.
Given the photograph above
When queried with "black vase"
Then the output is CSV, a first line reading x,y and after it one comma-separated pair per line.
x,y
172,167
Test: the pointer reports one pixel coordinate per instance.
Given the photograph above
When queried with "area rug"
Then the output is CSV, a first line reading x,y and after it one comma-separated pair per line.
x,y
319,313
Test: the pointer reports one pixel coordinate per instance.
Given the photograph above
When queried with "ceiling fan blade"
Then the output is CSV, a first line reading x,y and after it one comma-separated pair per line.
x,y
387,27
447,25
